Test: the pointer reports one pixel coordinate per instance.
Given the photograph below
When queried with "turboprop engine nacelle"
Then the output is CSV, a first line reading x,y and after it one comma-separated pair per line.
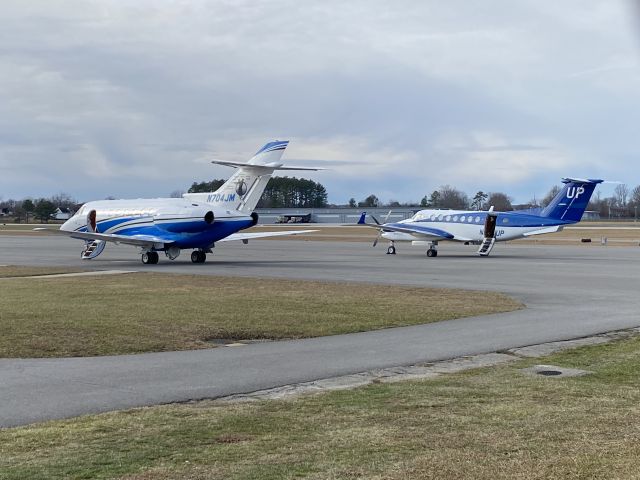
x,y
195,220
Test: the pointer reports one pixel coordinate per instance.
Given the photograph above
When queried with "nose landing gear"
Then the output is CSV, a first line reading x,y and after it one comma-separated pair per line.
x,y
392,249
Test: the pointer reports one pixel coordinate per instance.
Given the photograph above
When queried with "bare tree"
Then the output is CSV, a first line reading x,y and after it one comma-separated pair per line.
x,y
63,200
500,201
176,194
635,197
452,198
549,196
622,194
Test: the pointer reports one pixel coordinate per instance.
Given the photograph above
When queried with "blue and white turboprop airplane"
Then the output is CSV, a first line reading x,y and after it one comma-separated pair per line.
x,y
196,221
428,227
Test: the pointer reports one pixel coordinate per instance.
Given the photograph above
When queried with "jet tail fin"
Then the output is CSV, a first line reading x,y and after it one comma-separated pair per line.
x,y
572,200
245,187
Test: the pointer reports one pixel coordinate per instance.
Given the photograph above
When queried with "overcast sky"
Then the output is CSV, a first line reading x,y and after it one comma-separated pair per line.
x,y
133,98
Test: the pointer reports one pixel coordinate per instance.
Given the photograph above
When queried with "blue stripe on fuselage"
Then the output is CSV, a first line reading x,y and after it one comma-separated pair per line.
x,y
422,229
203,239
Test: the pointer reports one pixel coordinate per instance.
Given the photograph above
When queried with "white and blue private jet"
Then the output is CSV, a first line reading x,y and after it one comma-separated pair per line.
x,y
197,221
428,227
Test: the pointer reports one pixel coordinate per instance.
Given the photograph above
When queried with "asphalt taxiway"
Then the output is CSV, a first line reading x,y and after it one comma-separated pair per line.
x,y
570,292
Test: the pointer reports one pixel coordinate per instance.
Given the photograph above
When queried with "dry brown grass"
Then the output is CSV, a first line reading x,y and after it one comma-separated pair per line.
x,y
79,316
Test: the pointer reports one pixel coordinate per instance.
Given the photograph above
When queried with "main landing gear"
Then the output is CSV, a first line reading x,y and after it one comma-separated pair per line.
x,y
150,258
198,256
433,250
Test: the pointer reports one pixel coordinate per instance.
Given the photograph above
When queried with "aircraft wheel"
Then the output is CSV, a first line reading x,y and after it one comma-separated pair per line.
x,y
432,253
391,250
198,256
150,258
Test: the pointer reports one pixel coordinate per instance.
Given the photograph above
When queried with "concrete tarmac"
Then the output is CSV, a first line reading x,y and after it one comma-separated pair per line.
x,y
570,292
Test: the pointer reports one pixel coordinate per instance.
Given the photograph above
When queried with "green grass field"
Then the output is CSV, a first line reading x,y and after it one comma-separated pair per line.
x,y
143,312
492,423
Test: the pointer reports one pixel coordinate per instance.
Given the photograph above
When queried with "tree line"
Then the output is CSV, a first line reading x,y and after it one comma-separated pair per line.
x,y
281,192
446,197
41,209
285,192
624,203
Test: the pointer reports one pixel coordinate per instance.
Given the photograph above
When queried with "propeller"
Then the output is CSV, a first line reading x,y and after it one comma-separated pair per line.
x,y
380,230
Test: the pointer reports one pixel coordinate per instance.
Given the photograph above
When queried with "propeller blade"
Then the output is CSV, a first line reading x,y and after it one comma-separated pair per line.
x,y
375,242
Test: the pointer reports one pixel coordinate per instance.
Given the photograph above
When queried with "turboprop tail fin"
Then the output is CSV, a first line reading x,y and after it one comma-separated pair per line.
x,y
572,200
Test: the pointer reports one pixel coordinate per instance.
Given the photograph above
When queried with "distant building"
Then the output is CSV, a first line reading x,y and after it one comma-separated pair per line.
x,y
62,213
591,215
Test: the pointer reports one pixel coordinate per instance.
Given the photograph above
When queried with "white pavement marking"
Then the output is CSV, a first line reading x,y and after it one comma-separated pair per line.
x,y
602,228
83,274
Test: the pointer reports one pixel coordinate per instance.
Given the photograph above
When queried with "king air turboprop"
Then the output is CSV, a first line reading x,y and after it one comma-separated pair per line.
x,y
428,227
197,221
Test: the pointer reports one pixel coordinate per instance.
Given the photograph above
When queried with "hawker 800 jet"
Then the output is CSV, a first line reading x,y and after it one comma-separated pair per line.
x,y
197,221
428,227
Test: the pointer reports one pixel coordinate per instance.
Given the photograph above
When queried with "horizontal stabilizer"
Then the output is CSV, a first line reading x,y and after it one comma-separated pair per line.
x,y
270,166
554,229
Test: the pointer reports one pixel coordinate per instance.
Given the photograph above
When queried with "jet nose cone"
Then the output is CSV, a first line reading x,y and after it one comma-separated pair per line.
x,y
67,226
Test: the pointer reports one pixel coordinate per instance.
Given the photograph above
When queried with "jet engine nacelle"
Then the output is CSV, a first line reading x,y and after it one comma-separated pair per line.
x,y
194,221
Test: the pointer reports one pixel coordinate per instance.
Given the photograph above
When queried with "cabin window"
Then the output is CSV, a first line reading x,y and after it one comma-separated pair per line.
x,y
455,218
477,219
440,218
505,220
463,218
448,218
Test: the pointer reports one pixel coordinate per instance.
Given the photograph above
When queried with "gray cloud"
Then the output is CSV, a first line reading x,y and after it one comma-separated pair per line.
x,y
133,99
